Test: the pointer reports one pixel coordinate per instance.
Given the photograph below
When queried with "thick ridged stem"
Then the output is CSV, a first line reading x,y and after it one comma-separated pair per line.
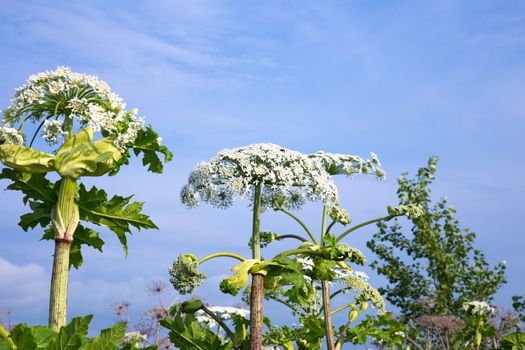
x,y
326,296
59,281
327,316
65,219
256,296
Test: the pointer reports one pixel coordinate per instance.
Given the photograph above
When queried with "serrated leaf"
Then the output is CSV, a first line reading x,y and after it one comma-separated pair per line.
x,y
26,159
43,336
108,339
83,236
118,214
33,186
40,215
147,143
23,338
70,337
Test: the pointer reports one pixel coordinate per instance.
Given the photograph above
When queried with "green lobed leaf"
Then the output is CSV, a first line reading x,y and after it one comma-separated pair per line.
x,y
71,336
33,186
147,143
43,336
117,213
23,338
108,339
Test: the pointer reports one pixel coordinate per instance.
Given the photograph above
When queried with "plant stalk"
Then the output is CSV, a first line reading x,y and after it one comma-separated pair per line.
x,y
326,297
256,296
65,218
59,281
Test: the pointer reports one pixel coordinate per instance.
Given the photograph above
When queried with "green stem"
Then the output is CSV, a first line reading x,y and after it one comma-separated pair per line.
x,y
59,282
284,302
65,218
351,229
300,223
326,296
4,334
298,251
281,237
256,295
221,254
221,323
340,308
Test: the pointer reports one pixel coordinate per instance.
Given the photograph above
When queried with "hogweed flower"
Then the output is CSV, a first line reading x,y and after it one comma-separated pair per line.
x,y
184,274
81,97
10,135
478,308
233,173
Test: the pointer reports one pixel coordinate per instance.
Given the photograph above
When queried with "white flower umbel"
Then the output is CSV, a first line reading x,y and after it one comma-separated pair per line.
x,y
61,93
10,136
222,312
478,308
233,173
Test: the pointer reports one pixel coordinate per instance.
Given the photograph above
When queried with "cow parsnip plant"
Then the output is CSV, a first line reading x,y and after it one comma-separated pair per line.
x,y
67,109
326,260
275,177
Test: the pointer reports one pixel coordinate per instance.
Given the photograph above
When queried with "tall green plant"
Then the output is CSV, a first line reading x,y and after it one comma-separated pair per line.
x,y
67,108
436,269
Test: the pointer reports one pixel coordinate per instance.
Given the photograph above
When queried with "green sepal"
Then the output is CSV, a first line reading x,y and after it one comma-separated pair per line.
x,y
233,284
79,156
26,159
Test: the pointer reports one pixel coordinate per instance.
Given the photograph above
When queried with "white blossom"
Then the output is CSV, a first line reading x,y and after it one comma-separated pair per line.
x,y
222,312
282,173
11,136
478,308
88,100
52,131
134,338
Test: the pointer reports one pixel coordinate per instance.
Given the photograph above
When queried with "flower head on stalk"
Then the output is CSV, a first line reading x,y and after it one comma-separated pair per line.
x,y
184,274
49,95
282,173
61,102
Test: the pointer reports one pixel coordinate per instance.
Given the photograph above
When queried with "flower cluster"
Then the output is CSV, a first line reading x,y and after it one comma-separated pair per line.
x,y
222,312
52,129
478,308
48,95
11,136
358,283
184,274
345,164
282,173
134,338
412,211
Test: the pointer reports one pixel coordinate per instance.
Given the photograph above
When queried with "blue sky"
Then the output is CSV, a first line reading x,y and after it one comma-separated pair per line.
x,y
406,80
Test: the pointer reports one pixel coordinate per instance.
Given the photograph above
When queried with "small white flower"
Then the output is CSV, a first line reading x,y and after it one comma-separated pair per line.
x,y
10,136
52,131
